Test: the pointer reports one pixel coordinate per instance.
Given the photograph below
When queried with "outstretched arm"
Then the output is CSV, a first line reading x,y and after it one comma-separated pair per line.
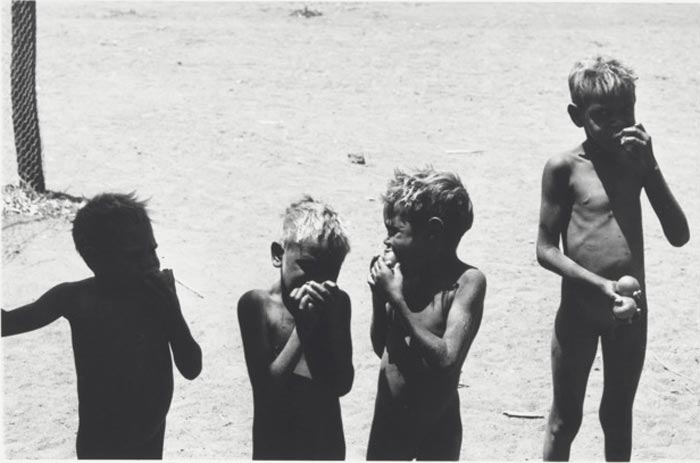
x,y
186,352
555,209
446,352
38,314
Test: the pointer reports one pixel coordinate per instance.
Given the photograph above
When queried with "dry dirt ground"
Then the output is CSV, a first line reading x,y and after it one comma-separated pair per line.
x,y
223,113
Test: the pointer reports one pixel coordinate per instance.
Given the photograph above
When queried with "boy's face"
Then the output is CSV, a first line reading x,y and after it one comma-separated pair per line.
x,y
410,245
134,252
604,118
303,262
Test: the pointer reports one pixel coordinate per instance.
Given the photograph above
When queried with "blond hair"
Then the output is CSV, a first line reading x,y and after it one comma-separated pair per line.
x,y
600,77
311,221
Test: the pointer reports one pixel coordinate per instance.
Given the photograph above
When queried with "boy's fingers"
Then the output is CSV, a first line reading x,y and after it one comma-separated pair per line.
x,y
330,285
319,288
314,295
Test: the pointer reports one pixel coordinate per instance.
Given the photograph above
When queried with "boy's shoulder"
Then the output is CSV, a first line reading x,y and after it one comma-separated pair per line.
x,y
67,297
471,277
74,289
566,159
254,301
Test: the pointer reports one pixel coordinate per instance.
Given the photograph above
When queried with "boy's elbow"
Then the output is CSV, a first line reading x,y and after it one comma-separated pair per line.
x,y
680,239
345,384
192,373
191,367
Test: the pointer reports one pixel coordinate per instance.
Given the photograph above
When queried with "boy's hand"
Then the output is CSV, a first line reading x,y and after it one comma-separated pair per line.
x,y
388,280
316,296
625,309
636,142
162,285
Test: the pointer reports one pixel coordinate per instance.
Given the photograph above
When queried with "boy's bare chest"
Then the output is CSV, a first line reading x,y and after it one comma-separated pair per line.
x,y
602,191
430,314
280,325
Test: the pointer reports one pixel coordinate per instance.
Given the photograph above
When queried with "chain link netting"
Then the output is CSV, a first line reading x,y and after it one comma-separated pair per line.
x,y
24,107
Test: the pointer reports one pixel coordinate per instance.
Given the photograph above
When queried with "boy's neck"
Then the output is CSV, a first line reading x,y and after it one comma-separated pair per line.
x,y
596,152
439,266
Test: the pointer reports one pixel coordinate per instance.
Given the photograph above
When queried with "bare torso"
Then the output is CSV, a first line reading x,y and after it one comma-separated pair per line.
x,y
604,231
299,417
406,381
123,364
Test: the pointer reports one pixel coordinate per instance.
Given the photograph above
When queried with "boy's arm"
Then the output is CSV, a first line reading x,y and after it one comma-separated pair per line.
x,y
186,352
379,322
667,209
46,309
256,345
341,346
446,352
555,210
326,335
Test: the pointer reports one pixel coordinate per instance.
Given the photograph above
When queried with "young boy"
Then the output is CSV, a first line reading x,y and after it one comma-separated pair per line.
x,y
296,338
427,309
124,321
590,197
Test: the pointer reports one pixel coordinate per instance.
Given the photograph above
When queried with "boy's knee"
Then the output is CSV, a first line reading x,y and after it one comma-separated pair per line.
x,y
564,427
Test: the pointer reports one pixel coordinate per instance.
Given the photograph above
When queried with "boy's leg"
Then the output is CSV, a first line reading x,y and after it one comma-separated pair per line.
x,y
389,438
623,359
573,351
444,441
152,449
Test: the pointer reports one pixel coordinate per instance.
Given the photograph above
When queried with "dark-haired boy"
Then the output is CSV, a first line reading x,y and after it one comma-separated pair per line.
x,y
427,308
590,198
124,321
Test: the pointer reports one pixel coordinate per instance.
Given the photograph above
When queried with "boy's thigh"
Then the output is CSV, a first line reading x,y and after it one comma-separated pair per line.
x,y
623,360
444,439
97,447
391,439
573,350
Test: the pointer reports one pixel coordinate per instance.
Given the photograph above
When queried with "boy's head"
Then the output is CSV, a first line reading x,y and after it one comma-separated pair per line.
x,y
113,235
313,244
425,210
603,97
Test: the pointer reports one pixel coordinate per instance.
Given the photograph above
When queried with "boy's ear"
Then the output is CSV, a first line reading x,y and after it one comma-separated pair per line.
x,y
435,226
276,252
575,114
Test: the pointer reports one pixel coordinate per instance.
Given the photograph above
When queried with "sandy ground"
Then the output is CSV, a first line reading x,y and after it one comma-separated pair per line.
x,y
223,113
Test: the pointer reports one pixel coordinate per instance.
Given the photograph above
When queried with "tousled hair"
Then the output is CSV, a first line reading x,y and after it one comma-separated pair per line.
x,y
100,221
600,77
427,193
310,221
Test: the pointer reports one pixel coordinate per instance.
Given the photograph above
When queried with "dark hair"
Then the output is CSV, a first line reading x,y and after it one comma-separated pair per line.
x,y
427,193
99,223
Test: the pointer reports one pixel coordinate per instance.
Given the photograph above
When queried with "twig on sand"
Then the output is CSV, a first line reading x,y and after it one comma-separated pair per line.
x,y
525,415
667,368
191,289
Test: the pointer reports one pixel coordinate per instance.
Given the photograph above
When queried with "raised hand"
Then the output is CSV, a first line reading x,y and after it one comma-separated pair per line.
x,y
636,142
387,280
